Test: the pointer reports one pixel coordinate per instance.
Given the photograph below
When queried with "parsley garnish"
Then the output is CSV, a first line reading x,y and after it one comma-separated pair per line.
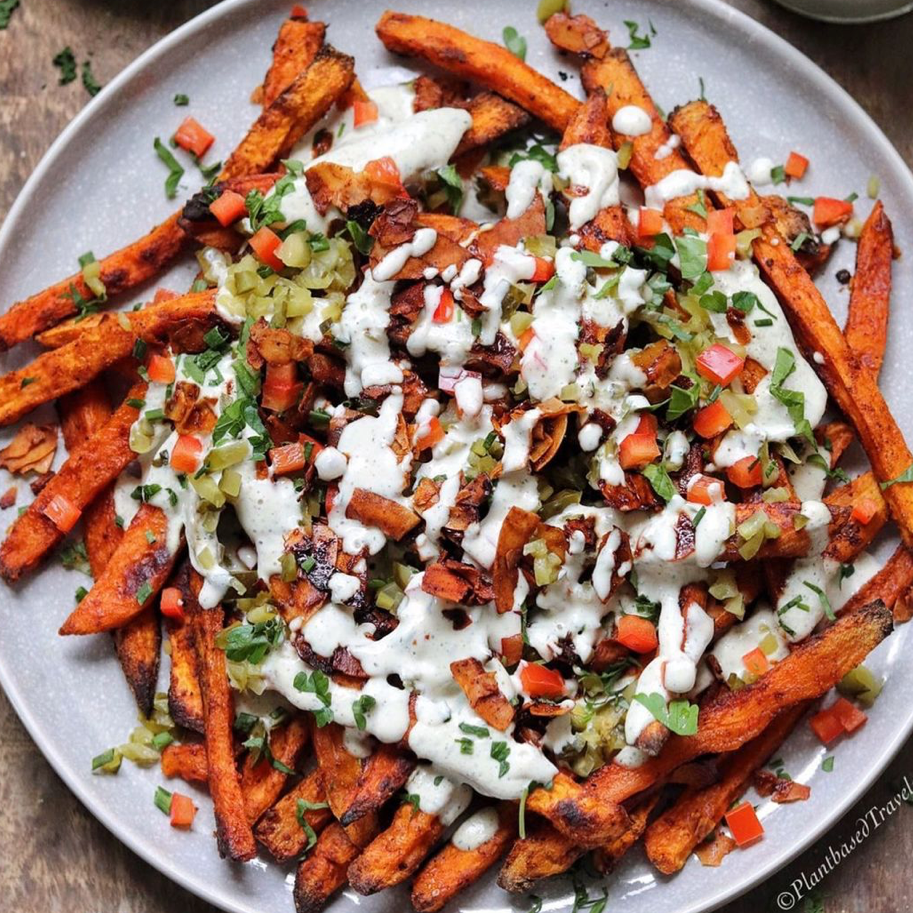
x,y
360,238
360,707
181,99
514,42
905,476
822,598
144,592
453,186
302,806
175,171
317,684
479,731
794,400
500,752
638,42
846,570
680,717
658,477
74,557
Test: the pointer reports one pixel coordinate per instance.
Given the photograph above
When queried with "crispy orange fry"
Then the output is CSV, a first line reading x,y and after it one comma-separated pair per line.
x,y
852,385
453,870
261,781
482,692
324,871
187,761
544,851
86,472
295,48
606,857
488,64
133,577
397,852
492,118
293,113
391,517
233,832
279,829
670,839
383,774
866,328
590,124
185,698
122,270
891,583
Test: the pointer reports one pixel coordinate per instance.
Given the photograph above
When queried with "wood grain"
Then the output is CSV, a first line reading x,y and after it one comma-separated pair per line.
x,y
56,856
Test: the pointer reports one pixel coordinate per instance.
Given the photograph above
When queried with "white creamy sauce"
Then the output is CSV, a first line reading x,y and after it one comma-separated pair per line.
x,y
683,182
631,120
476,830
595,169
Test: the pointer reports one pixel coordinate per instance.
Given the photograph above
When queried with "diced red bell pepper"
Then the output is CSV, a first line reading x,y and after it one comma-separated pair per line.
x,y
704,489
826,725
712,420
364,112
182,810
329,498
265,243
744,825
194,137
163,294
849,715
172,603
756,661
445,309
647,424
62,512
512,649
228,207
795,165
298,12
185,457
160,369
864,510
280,387
384,171
636,633
541,682
719,221
544,270
828,211
526,337
720,251
746,473
649,222
719,365
433,435
287,459
637,451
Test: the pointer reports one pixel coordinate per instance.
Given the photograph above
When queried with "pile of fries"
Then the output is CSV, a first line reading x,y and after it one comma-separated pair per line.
x,y
511,495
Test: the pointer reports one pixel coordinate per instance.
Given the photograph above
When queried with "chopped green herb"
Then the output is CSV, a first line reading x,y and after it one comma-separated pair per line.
x,y
26,381
514,42
466,745
822,598
181,100
360,707
827,765
658,477
680,716
144,592
805,201
162,800
500,752
905,476
175,171
478,731
360,238
638,42
453,186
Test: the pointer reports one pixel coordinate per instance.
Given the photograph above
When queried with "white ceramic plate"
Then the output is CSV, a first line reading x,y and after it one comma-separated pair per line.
x,y
100,185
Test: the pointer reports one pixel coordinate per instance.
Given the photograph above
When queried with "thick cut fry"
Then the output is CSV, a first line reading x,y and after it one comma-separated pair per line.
x,y
492,118
233,832
542,853
482,692
670,839
397,852
324,871
488,64
122,270
295,48
279,829
185,701
261,781
453,870
866,329
383,774
139,647
590,124
86,472
851,384
391,517
731,719
293,113
187,761
606,857
132,579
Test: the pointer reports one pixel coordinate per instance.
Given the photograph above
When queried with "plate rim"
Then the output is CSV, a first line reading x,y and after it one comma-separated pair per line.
x,y
753,30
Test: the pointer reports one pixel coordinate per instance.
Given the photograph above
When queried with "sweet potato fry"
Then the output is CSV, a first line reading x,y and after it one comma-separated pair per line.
x,y
866,328
293,113
187,761
82,477
139,645
296,46
731,719
233,832
543,852
453,870
590,124
185,701
397,852
488,64
133,577
670,839
482,692
383,774
393,519
517,529
852,385
606,857
261,781
325,869
279,829
122,270
492,118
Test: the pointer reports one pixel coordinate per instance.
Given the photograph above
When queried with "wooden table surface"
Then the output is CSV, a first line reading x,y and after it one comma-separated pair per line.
x,y
54,856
